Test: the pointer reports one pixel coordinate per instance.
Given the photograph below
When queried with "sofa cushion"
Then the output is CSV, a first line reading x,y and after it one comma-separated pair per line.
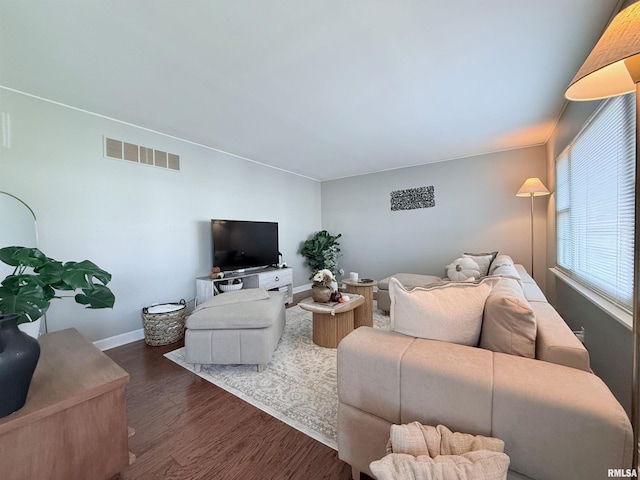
x,y
524,275
235,296
246,314
375,390
431,375
462,269
409,280
483,260
557,422
500,261
509,322
448,311
533,292
503,266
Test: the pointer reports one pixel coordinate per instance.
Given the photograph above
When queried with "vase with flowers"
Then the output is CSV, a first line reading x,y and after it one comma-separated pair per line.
x,y
322,287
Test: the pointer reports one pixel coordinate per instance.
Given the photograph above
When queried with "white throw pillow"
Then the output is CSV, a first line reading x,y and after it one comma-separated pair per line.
x,y
463,269
509,323
451,312
500,261
483,260
503,266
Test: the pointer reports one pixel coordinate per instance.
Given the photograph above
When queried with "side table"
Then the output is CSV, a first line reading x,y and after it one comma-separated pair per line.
x,y
332,321
362,316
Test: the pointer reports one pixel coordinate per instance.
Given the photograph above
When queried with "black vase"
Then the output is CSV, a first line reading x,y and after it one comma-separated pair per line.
x,y
19,355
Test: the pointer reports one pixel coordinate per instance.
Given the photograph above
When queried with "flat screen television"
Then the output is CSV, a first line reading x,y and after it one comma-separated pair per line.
x,y
242,244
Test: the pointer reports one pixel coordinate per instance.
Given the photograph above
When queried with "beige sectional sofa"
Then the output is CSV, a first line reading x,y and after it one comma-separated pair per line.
x,y
558,420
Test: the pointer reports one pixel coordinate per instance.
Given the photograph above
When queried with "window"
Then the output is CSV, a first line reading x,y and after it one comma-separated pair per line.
x,y
595,179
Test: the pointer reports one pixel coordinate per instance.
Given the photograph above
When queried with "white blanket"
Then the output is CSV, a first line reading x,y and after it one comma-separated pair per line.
x,y
421,452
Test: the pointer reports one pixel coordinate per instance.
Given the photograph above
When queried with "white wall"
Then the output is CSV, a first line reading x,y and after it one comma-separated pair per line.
x,y
23,229
476,210
148,226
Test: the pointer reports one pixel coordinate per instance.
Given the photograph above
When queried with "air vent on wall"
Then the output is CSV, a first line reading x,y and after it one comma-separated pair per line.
x,y
139,154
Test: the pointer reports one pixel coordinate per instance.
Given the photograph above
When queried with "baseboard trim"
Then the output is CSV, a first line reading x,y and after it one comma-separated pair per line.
x,y
302,288
119,340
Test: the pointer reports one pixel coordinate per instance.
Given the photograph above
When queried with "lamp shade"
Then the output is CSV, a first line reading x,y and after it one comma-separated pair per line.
x,y
613,67
532,187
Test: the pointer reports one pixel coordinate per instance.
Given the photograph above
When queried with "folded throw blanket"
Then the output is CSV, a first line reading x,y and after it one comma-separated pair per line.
x,y
423,452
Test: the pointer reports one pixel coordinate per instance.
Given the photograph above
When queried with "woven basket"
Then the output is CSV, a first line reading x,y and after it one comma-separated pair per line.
x,y
231,287
163,324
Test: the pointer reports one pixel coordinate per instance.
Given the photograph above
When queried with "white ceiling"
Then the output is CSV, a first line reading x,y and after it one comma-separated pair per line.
x,y
322,88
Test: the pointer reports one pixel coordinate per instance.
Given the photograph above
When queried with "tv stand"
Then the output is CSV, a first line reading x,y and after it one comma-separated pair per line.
x,y
270,278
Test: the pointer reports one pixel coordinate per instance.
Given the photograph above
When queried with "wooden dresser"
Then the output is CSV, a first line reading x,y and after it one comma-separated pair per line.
x,y
73,424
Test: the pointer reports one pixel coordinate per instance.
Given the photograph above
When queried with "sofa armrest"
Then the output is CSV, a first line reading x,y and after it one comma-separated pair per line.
x,y
558,422
555,342
369,362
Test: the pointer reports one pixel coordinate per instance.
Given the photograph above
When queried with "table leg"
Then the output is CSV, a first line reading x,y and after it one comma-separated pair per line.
x,y
329,329
363,315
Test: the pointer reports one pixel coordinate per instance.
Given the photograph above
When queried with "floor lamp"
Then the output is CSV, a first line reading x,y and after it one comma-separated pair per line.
x,y
612,69
532,187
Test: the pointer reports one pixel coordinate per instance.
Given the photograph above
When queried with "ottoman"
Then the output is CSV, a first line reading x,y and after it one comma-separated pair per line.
x,y
239,327
409,280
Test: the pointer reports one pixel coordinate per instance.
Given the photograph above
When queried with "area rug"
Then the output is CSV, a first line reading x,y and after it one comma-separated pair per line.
x,y
297,387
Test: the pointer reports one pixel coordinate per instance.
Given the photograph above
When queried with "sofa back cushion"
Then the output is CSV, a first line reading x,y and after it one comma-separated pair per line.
x,y
483,260
448,311
503,266
509,322
409,280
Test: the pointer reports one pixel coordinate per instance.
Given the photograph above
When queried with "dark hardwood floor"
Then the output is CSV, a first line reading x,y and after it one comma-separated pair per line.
x,y
188,428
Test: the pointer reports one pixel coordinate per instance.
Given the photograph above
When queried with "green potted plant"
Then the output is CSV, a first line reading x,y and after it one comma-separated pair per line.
x,y
25,296
28,291
322,251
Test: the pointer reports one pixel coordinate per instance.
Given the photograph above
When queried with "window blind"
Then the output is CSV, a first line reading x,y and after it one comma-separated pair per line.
x,y
595,178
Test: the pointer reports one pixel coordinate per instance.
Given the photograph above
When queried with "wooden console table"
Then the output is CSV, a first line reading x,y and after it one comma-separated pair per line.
x,y
73,424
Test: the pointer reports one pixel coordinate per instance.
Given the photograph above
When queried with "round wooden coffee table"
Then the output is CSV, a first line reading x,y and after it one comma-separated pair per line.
x,y
331,321
362,316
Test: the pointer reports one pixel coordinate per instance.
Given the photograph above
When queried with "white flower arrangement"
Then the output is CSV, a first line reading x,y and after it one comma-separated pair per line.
x,y
323,277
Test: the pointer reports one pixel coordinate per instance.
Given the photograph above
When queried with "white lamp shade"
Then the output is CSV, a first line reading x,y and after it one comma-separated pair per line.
x,y
532,187
613,67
